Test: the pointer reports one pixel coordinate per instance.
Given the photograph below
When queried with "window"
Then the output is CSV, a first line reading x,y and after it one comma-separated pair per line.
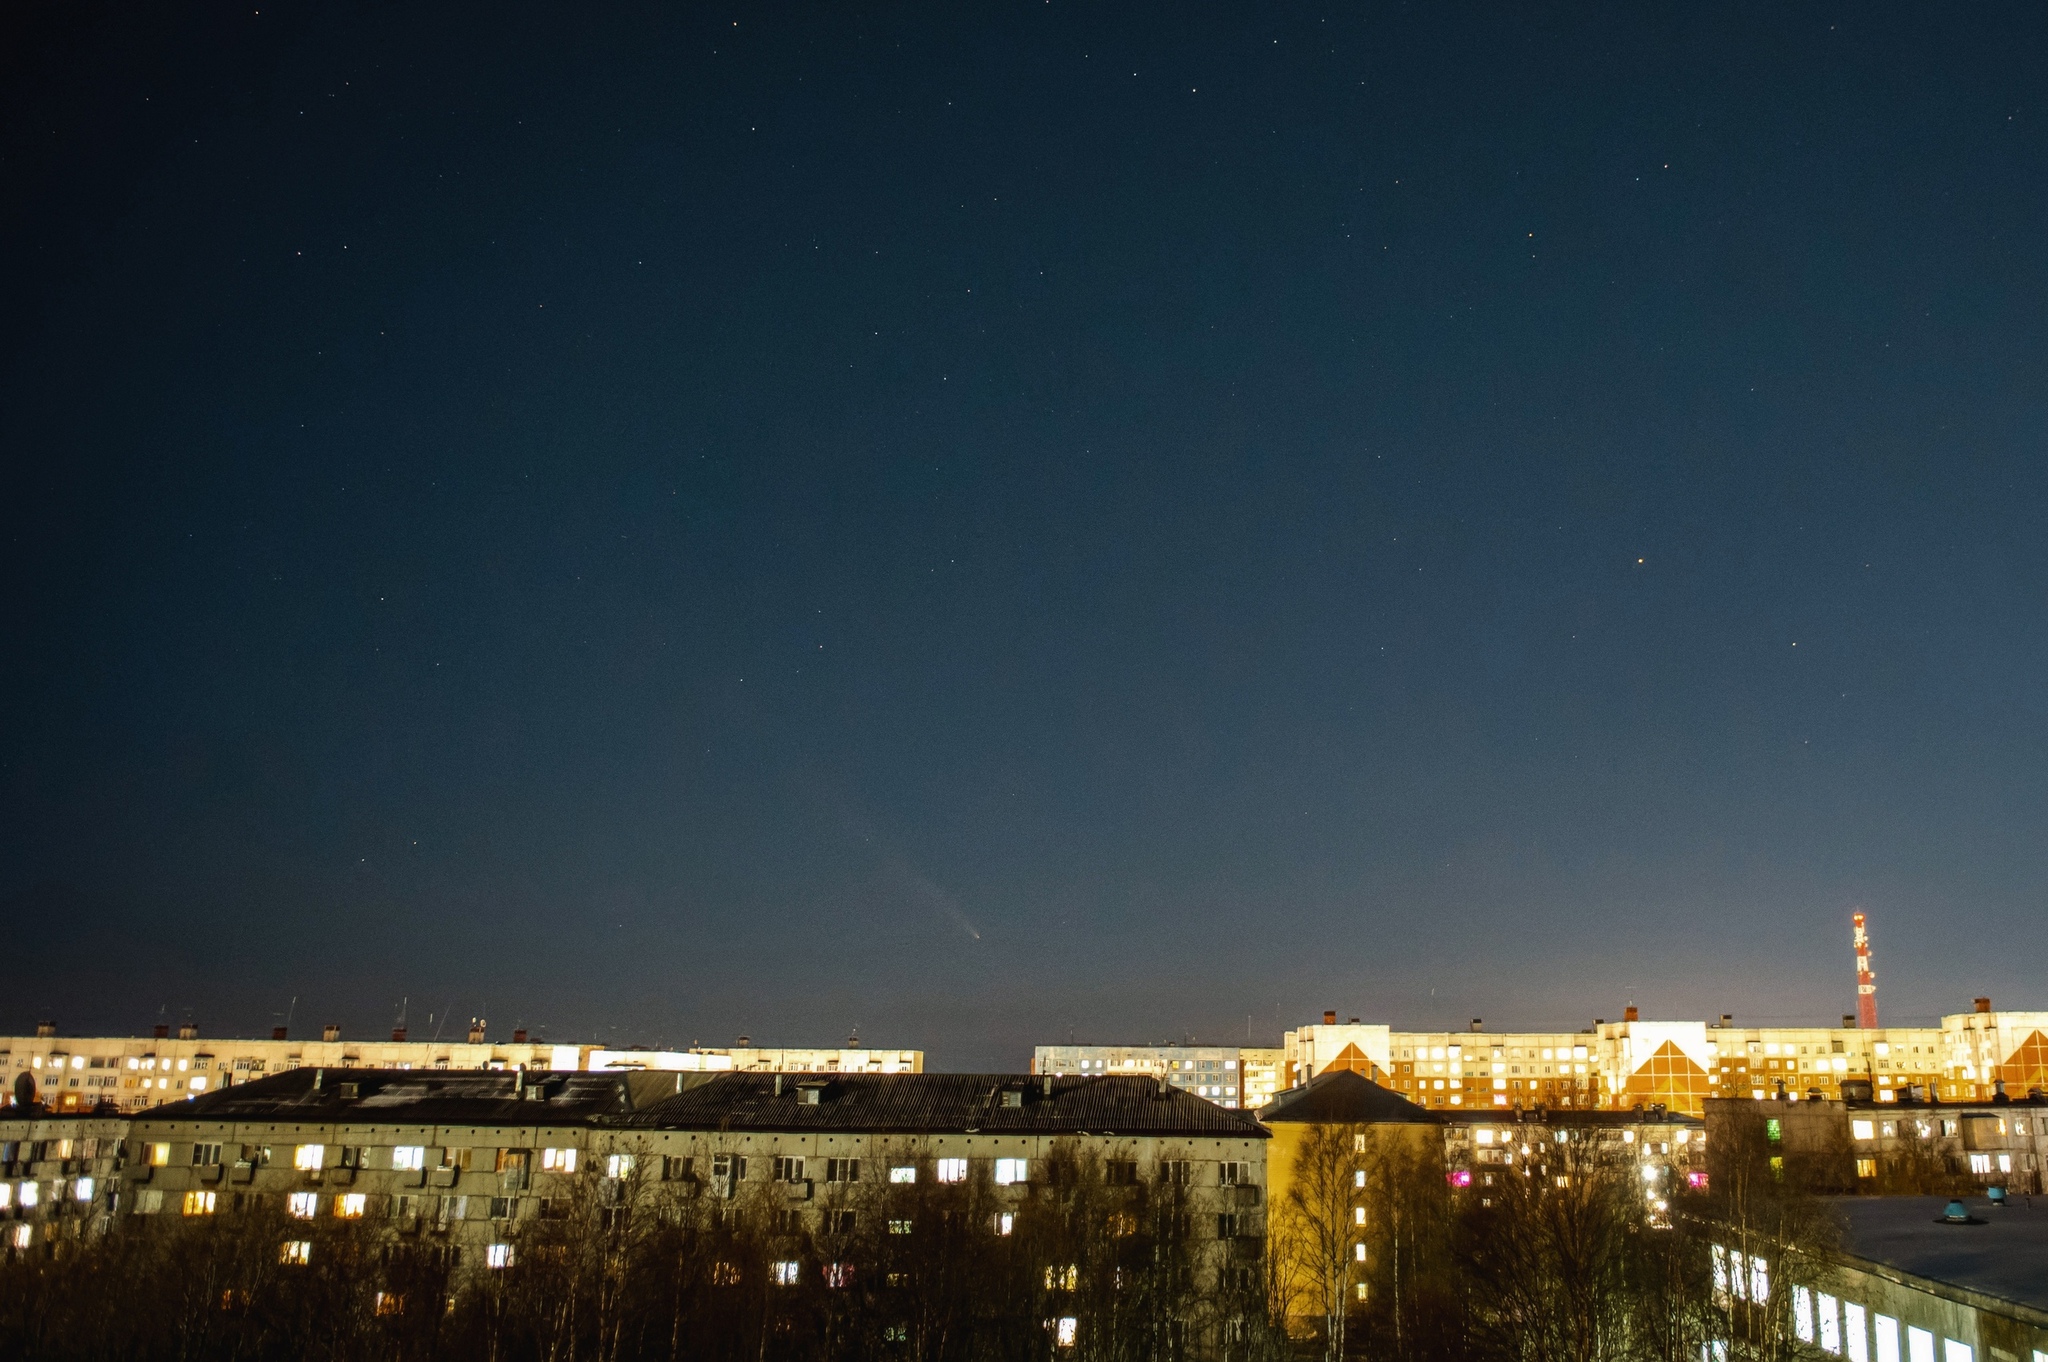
x,y
1005,1222
159,1155
1226,1225
732,1167
675,1167
952,1170
1010,1172
409,1158
1863,1130
199,1203
1802,1314
1866,1168
304,1205
205,1155
618,1165
1887,1339
498,1256
1830,1323
899,1227
1174,1172
1063,1278
81,1190
842,1170
1952,1351
1358,1253
150,1202
1120,1172
1358,1177
1065,1330
839,1222
1980,1163
1855,1338
789,1169
903,1173
296,1252
350,1205
308,1158
1230,1175
785,1272
558,1160
1919,1345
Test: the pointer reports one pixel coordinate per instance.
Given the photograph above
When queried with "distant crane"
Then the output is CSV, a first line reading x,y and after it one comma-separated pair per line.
x,y
1866,982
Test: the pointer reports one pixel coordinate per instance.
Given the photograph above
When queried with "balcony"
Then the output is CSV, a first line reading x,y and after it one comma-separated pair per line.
x,y
244,1171
799,1190
207,1174
445,1177
341,1177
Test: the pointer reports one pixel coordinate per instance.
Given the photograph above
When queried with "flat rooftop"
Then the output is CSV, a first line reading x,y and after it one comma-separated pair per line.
x,y
2006,1257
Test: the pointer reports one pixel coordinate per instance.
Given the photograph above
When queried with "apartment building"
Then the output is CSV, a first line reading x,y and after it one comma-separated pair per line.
x,y
465,1158
1904,1146
1231,1076
133,1073
1619,1065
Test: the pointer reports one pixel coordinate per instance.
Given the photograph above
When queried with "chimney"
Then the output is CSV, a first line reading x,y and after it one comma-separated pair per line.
x,y
330,1032
1478,1025
47,1029
1628,1014
277,1033
398,1033
188,1031
160,1031
319,1079
476,1030
1866,980
519,1036
1329,1018
1983,1004
1848,1021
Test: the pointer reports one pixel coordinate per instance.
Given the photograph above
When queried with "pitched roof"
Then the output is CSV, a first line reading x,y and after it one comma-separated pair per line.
x,y
879,1103
1343,1097
939,1103
412,1096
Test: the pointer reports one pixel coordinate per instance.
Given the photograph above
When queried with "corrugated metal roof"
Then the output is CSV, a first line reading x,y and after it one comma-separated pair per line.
x,y
941,1103
1343,1097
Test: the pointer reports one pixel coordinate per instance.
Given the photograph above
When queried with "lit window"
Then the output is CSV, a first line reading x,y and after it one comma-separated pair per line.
x,y
1866,1168
1009,1172
952,1170
308,1158
350,1206
199,1203
1006,1222
904,1173
159,1155
838,1276
1063,1278
899,1227
1358,1253
498,1256
1065,1330
558,1160
304,1205
1863,1130
409,1158
1358,1215
618,1165
1358,1174
297,1252
785,1272
82,1190
30,1195
199,1085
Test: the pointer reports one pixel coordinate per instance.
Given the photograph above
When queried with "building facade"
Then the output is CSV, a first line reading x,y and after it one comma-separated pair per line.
x,y
135,1073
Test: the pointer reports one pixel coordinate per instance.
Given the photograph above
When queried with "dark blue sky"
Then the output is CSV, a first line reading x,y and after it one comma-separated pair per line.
x,y
987,523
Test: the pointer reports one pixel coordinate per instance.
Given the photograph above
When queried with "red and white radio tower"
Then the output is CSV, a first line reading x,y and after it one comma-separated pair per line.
x,y
1866,982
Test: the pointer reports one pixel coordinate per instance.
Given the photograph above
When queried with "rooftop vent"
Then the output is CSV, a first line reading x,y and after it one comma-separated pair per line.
x,y
1983,1004
188,1031
1013,1097
476,1030
1848,1021
49,1028
519,1036
160,1031
1478,1024
349,1091
330,1032
1329,1016
398,1033
277,1033
1629,1013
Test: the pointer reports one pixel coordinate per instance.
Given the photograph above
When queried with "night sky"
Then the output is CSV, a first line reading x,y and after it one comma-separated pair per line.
x,y
999,524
